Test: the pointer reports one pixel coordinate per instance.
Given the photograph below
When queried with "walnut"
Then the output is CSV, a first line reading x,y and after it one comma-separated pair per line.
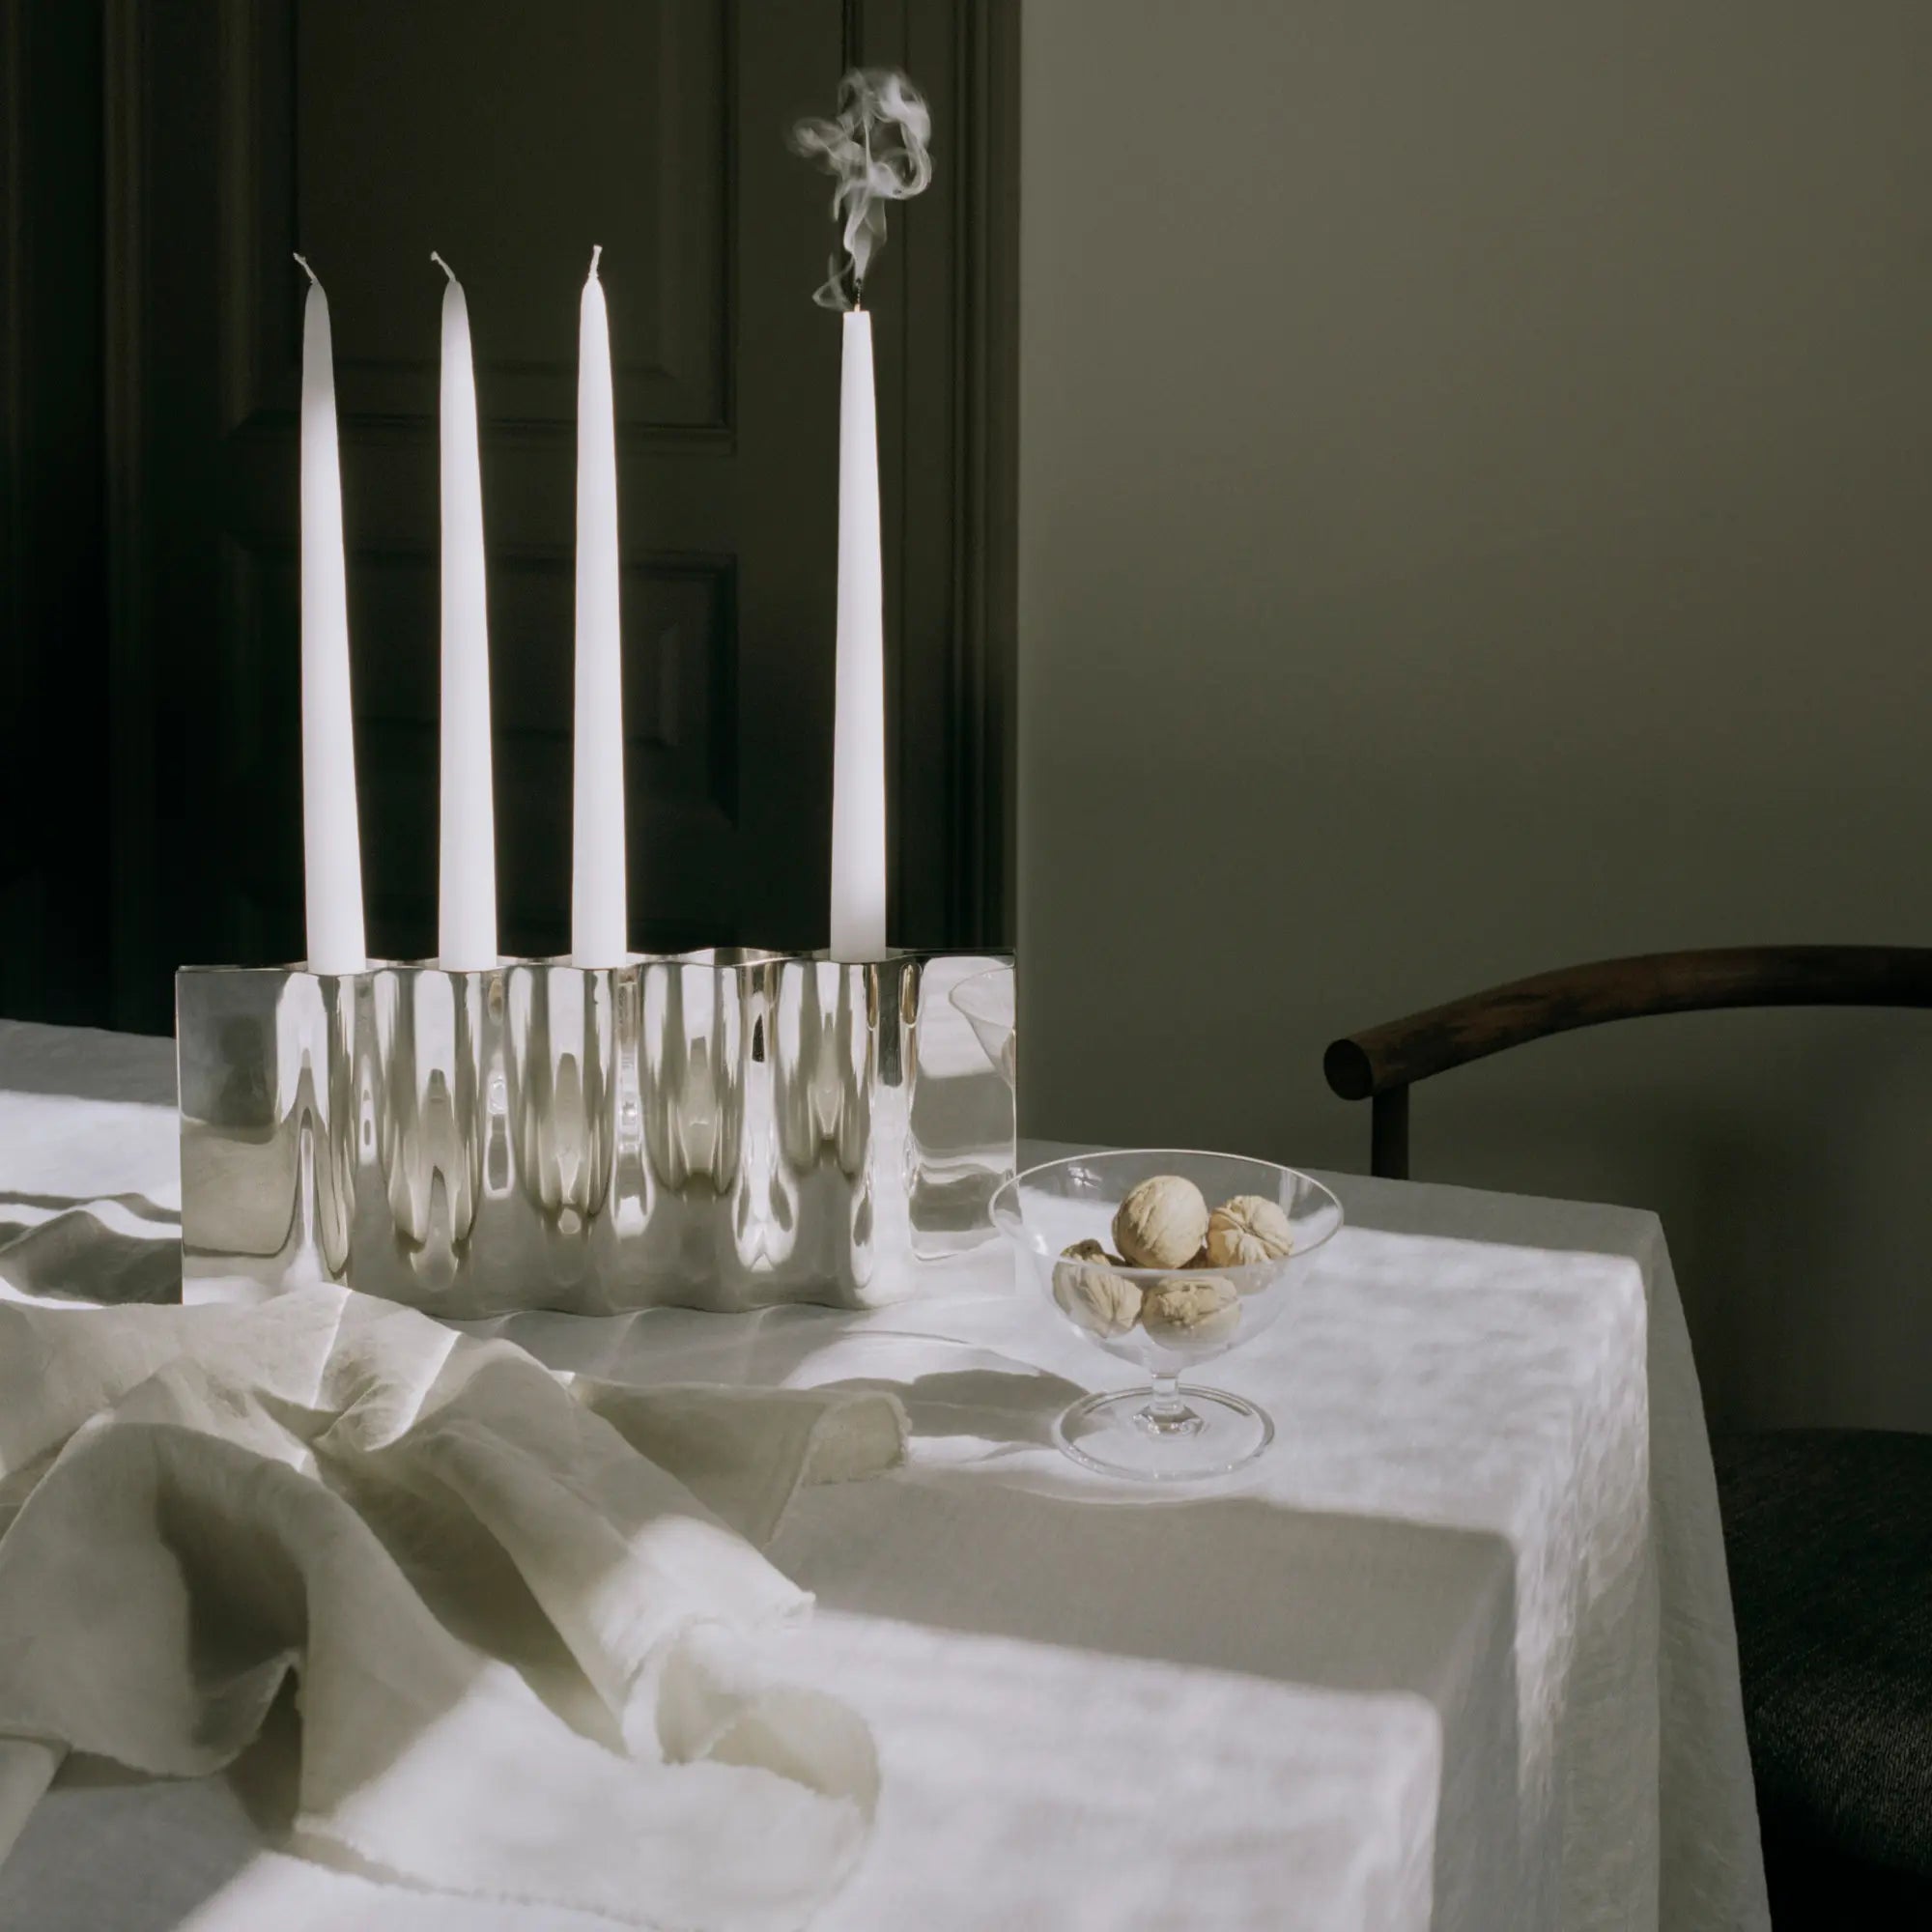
x,y
1092,1251
1162,1223
1191,1309
1096,1299
1246,1230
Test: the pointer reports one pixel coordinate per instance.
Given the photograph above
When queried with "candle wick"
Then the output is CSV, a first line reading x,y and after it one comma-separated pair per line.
x,y
594,253
442,265
308,271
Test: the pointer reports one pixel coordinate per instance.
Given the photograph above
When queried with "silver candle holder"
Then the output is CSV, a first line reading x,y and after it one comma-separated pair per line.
x,y
721,1129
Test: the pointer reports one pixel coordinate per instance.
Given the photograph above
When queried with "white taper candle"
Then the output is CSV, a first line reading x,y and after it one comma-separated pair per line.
x,y
599,928
859,721
467,856
332,838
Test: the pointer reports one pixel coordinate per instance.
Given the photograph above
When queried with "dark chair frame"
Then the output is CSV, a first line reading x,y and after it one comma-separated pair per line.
x,y
1382,1063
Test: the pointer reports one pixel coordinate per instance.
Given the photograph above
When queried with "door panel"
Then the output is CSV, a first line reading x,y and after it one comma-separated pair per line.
x,y
521,135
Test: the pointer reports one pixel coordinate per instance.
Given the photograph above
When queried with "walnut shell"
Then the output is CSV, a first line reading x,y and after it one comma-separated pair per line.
x,y
1192,1309
1246,1230
1096,1299
1092,1251
1162,1223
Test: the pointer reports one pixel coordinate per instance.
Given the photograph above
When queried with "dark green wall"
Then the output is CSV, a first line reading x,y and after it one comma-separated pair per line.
x,y
1477,514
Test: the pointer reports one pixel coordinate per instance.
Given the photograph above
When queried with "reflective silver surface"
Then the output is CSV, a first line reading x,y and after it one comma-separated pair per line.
x,y
719,1129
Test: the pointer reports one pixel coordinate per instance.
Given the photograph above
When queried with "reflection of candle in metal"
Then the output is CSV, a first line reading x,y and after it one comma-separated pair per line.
x,y
858,718
599,932
331,838
467,919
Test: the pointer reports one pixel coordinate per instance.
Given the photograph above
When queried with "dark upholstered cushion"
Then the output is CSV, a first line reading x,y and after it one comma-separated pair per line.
x,y
1829,1534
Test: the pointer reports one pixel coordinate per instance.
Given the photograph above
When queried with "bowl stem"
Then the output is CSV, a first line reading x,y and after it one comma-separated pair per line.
x,y
1165,1414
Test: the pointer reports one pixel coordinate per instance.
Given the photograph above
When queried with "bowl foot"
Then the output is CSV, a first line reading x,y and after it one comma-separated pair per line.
x,y
1153,1438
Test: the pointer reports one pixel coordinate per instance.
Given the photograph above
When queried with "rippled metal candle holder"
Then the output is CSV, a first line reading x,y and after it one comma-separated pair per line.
x,y
718,1130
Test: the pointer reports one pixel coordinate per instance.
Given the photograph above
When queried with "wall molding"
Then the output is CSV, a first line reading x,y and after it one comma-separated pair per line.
x,y
131,694
987,492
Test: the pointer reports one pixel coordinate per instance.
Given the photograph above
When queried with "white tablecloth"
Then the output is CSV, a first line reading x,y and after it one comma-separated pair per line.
x,y
1457,1652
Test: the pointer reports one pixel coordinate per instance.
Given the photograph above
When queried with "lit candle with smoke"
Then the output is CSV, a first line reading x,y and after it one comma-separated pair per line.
x,y
332,834
875,150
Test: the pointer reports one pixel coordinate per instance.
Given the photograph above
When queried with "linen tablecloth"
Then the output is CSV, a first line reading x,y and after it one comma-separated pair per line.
x,y
1457,1652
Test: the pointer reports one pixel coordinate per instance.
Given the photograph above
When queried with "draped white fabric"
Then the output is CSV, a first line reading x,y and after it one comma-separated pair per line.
x,y
1456,1653
527,1651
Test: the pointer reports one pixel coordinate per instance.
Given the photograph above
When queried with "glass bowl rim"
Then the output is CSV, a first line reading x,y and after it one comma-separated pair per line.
x,y
973,979
1006,1217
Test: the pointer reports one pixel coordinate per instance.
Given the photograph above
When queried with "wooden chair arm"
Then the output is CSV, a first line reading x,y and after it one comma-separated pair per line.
x,y
1385,1059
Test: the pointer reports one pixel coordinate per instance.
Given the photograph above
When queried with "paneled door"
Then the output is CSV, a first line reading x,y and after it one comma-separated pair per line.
x,y
511,138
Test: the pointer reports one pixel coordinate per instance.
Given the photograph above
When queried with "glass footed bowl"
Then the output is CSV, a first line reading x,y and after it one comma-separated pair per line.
x,y
1166,1321
986,999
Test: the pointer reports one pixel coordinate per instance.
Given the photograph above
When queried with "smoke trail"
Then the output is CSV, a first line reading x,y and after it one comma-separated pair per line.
x,y
875,150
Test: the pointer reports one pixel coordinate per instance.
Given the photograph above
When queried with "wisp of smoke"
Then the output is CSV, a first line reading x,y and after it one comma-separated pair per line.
x,y
875,150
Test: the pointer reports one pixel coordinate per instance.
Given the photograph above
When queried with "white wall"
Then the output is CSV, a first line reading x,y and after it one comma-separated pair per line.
x,y
1476,500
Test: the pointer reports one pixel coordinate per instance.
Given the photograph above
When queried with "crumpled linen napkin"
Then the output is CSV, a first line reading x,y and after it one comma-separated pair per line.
x,y
525,1617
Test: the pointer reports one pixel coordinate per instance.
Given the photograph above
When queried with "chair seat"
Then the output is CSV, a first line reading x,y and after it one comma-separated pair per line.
x,y
1828,1536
